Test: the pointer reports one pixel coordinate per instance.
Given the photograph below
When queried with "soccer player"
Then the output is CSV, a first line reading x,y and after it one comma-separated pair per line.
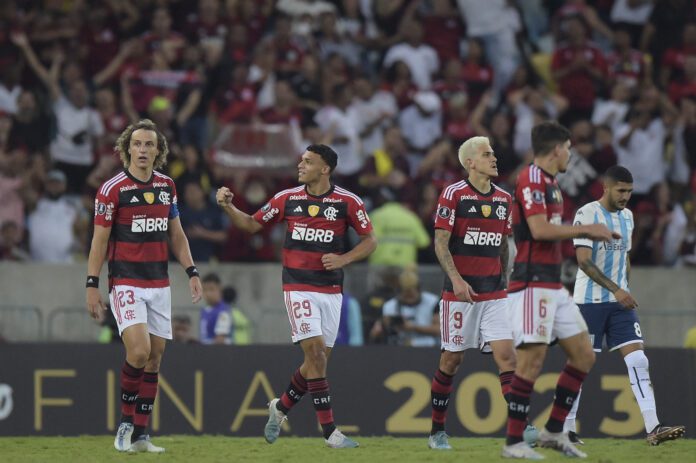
x,y
318,214
135,214
541,310
601,291
471,242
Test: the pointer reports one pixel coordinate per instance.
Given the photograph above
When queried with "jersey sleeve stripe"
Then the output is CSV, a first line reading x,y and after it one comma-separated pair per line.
x,y
157,174
450,190
106,188
344,192
288,191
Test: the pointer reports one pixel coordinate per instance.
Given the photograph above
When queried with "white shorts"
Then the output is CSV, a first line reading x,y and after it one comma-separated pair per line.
x,y
153,306
471,326
313,314
540,315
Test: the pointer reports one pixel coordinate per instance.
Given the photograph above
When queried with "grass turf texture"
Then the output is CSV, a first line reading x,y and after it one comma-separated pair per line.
x,y
289,449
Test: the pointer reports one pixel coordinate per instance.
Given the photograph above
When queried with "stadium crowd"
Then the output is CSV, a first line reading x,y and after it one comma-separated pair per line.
x,y
395,87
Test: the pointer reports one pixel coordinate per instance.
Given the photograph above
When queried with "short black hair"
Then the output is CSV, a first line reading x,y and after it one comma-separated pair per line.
x,y
211,278
229,294
546,135
619,174
327,154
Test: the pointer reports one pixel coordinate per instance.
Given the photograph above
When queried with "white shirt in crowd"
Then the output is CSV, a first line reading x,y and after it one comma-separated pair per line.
x,y
422,61
72,121
367,112
343,125
420,315
643,155
51,230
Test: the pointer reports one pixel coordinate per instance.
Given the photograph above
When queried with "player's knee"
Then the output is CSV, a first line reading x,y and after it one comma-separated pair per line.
x,y
138,356
506,360
450,361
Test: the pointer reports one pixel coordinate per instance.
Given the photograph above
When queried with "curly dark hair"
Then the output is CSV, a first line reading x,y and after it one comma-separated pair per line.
x,y
123,143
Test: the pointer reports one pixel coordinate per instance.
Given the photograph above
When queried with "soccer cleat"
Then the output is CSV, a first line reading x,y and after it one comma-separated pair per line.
x,y
439,441
574,438
337,440
521,450
559,441
144,444
664,433
275,420
122,443
530,435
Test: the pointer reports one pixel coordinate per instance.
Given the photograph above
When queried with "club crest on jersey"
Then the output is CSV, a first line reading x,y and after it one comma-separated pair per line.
x,y
500,212
486,210
149,197
313,210
330,213
164,197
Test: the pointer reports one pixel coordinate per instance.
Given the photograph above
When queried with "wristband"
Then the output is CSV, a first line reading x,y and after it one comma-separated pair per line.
x,y
192,271
92,282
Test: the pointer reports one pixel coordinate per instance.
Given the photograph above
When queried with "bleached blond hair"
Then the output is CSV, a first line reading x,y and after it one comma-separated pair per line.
x,y
470,148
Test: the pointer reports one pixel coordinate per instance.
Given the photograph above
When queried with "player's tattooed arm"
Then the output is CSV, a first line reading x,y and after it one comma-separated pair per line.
x,y
505,258
592,271
442,239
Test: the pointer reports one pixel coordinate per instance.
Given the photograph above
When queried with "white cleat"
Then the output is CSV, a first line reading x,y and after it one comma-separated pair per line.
x,y
122,442
561,442
521,450
337,440
275,420
439,441
144,444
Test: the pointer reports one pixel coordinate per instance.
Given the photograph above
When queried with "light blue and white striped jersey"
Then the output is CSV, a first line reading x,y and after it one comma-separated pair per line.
x,y
611,257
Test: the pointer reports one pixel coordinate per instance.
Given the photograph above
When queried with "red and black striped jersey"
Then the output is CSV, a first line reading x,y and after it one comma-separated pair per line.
x,y
138,214
317,225
538,263
479,222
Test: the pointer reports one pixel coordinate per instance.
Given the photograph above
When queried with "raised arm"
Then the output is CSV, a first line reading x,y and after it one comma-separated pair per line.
x,y
240,219
49,79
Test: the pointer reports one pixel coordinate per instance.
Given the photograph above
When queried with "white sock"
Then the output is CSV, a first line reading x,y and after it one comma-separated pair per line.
x,y
569,424
639,376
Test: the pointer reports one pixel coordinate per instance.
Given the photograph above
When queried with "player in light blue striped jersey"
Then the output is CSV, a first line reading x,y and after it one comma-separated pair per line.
x,y
602,293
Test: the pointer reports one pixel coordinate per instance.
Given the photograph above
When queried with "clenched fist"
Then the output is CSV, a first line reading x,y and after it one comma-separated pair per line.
x,y
224,197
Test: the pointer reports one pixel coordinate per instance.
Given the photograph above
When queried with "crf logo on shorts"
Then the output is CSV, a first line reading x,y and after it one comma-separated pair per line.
x,y
482,238
304,233
149,225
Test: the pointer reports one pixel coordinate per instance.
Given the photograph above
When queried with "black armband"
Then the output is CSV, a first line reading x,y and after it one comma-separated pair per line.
x,y
192,271
92,282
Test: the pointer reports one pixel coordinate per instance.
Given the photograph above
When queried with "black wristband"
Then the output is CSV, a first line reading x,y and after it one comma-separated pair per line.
x,y
92,282
192,271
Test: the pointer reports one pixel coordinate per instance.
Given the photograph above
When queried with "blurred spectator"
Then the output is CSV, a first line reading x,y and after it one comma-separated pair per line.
x,y
338,122
191,168
420,58
14,188
53,225
374,109
387,167
10,243
443,29
495,24
612,112
477,74
241,326
202,221
421,124
412,317
29,125
350,329
397,81
9,89
580,70
674,59
181,330
631,16
284,109
78,126
216,318
330,40
399,231
664,28
625,64
385,283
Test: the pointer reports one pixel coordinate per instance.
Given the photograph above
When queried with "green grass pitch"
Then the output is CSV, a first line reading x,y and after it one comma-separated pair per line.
x,y
303,450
